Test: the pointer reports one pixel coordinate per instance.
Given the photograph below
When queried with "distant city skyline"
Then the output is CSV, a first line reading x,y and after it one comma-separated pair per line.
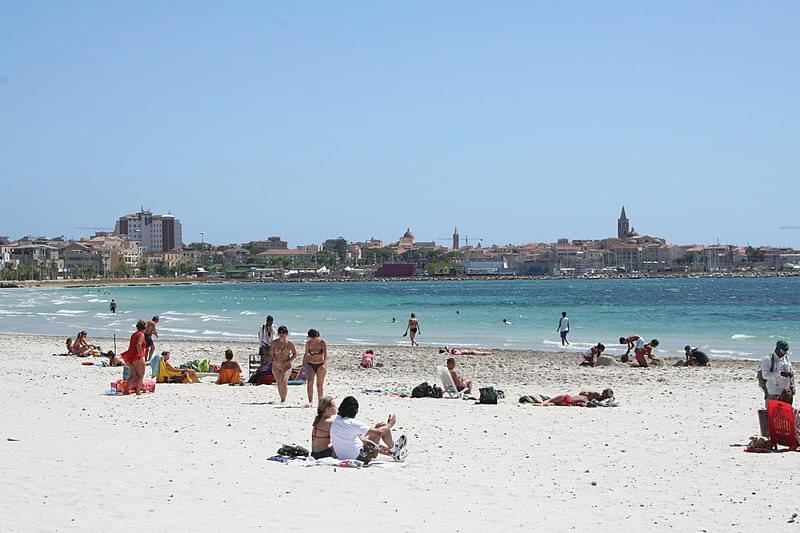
x,y
525,122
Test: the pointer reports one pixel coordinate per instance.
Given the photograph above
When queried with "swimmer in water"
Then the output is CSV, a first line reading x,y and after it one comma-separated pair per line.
x,y
505,321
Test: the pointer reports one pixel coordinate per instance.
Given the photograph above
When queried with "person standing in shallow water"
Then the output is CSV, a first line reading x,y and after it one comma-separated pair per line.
x,y
413,328
113,306
563,328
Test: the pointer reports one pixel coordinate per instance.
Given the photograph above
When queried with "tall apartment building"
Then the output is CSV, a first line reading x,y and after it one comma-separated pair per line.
x,y
154,233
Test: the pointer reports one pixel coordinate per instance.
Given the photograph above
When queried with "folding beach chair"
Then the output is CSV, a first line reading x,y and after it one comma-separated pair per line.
x,y
450,389
781,424
254,364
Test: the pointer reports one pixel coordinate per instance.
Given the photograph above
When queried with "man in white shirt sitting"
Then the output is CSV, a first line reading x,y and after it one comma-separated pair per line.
x,y
353,439
776,370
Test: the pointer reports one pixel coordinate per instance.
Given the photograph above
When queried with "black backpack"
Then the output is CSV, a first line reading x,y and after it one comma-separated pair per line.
x,y
423,390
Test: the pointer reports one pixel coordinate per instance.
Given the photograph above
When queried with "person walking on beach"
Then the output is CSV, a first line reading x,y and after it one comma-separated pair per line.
x,y
777,374
113,306
134,357
315,362
563,328
266,334
150,331
413,328
282,353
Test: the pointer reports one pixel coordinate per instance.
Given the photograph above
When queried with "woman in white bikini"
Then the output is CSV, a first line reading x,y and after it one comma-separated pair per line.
x,y
282,352
315,361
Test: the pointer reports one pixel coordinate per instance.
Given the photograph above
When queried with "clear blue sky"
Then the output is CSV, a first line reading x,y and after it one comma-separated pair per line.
x,y
516,121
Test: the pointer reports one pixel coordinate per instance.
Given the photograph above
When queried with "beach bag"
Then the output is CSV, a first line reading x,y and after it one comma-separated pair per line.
x,y
293,450
423,390
782,424
438,392
367,360
488,396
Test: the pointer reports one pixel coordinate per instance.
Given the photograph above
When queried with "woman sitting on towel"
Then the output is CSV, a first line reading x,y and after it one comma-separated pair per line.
x,y
229,371
321,429
169,374
81,347
580,400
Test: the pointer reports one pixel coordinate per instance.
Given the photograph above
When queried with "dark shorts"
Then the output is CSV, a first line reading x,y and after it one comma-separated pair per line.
x,y
148,340
564,334
327,452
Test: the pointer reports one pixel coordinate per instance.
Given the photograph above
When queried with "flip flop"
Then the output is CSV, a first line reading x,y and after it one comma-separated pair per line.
x,y
400,451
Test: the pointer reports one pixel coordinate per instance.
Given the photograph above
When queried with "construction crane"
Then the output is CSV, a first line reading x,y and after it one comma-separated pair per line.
x,y
93,228
466,240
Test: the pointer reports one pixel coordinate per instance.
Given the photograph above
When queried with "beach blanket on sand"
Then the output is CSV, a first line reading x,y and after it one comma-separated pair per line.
x,y
330,461
403,392
608,402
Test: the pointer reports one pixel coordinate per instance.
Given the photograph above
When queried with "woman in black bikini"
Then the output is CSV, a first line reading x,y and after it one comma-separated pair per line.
x,y
315,361
282,352
413,327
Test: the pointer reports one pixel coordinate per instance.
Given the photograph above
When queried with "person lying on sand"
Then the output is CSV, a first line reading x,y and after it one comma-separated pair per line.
x,y
580,400
468,351
321,446
461,383
352,439
591,355
179,375
114,360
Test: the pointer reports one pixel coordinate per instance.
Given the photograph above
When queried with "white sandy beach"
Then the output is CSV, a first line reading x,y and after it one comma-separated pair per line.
x,y
194,457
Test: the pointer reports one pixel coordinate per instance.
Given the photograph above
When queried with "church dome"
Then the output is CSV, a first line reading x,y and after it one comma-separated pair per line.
x,y
408,234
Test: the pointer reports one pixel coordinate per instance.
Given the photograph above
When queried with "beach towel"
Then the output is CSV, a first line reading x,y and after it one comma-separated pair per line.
x,y
608,402
337,463
229,376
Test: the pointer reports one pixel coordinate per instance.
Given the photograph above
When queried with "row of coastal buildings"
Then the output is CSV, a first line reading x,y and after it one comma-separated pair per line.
x,y
146,244
138,241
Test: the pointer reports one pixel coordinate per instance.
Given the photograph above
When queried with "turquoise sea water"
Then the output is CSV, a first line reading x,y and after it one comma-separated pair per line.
x,y
735,317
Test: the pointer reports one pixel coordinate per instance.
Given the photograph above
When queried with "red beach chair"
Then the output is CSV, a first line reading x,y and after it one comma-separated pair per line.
x,y
781,424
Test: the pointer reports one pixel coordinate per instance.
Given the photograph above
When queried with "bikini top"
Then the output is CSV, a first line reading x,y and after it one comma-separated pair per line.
x,y
317,433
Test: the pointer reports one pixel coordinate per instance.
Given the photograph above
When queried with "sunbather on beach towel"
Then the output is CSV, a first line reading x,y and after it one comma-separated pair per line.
x,y
230,373
321,446
468,351
460,383
352,439
114,359
579,400
169,374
